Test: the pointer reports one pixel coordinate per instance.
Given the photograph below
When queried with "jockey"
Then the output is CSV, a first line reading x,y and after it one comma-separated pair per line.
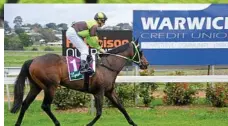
x,y
86,30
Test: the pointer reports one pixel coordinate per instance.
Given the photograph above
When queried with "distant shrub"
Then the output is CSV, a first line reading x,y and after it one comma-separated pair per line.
x,y
34,49
67,98
217,95
146,89
48,49
12,42
179,93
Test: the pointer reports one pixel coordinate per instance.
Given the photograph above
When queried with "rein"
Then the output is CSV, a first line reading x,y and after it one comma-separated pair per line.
x,y
124,57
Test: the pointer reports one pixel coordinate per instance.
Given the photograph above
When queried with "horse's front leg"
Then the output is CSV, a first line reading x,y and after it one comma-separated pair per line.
x,y
98,104
112,96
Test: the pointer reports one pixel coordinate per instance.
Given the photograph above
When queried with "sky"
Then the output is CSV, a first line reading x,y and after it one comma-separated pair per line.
x,y
67,13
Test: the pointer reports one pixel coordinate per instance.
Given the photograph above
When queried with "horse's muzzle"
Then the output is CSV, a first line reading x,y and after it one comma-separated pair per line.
x,y
143,67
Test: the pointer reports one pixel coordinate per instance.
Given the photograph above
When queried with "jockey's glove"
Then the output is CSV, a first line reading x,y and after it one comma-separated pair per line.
x,y
102,51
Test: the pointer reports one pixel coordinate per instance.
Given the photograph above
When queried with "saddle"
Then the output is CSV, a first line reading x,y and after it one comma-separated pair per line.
x,y
74,63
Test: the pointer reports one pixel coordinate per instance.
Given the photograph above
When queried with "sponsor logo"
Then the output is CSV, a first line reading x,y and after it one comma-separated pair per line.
x,y
110,43
184,23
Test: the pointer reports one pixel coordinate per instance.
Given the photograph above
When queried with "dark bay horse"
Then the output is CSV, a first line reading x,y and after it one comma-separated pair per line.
x,y
49,71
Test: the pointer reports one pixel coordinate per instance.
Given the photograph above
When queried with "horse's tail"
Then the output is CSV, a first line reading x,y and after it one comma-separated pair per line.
x,y
19,86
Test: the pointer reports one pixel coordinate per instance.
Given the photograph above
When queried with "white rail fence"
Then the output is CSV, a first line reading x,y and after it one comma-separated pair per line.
x,y
132,79
13,71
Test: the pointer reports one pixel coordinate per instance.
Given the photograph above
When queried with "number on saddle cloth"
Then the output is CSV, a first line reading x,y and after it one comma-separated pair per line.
x,y
73,64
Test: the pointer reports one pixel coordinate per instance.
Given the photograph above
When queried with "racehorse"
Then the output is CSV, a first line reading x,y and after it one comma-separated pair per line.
x,y
49,71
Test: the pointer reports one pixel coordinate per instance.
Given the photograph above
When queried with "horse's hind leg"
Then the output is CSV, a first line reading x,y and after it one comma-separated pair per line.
x,y
46,105
112,96
34,91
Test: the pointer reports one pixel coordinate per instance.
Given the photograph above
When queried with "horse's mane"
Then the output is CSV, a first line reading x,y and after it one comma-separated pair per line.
x,y
119,49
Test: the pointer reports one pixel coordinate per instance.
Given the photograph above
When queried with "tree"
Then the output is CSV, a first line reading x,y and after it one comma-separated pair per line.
x,y
36,37
27,25
63,26
124,26
51,25
6,26
19,30
18,22
36,25
12,42
6,41
25,39
48,35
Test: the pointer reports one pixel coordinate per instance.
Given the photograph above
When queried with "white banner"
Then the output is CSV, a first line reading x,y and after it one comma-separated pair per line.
x,y
184,45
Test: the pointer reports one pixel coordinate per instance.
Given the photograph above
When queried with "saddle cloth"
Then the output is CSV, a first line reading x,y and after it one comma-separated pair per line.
x,y
73,64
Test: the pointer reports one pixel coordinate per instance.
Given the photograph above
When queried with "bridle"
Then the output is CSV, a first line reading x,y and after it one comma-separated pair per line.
x,y
136,53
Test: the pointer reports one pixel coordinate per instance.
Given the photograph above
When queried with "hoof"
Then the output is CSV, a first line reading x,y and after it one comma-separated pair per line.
x,y
57,124
17,124
133,124
88,125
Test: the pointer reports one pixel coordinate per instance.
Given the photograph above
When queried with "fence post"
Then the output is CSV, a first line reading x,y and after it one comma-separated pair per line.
x,y
213,73
136,94
92,109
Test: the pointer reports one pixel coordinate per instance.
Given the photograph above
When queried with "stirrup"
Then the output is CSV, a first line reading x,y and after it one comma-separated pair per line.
x,y
82,71
87,70
83,67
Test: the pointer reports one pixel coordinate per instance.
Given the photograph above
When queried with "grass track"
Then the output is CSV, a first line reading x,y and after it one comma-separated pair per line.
x,y
159,116
16,59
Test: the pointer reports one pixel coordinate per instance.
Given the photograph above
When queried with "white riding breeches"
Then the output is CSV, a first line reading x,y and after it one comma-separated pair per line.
x,y
72,35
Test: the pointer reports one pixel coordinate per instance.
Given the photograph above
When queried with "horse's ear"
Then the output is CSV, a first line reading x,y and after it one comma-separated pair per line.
x,y
137,41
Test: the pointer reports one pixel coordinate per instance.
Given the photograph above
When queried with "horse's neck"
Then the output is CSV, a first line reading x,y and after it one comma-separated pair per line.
x,y
116,63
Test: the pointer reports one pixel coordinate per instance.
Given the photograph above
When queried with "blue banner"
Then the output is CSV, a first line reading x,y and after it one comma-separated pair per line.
x,y
183,37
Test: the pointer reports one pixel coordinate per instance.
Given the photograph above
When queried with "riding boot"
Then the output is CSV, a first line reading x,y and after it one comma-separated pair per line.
x,y
87,71
84,69
89,60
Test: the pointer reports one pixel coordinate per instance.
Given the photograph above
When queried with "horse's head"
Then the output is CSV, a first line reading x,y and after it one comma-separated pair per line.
x,y
130,51
138,56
